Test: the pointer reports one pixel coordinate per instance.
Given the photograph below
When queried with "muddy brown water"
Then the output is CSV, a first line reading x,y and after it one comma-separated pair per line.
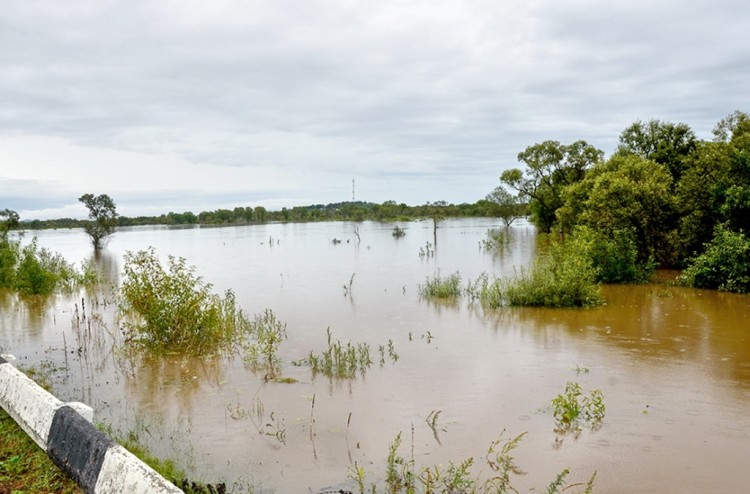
x,y
673,364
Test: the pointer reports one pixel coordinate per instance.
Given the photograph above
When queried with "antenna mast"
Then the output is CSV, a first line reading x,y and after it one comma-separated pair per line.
x,y
352,190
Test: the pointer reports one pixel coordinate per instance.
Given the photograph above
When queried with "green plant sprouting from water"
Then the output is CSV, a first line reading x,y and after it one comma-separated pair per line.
x,y
339,360
398,232
572,408
497,240
561,277
402,476
427,251
441,287
175,309
267,333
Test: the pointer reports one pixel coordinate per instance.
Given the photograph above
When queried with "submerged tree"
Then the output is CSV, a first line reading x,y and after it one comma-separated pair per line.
x,y
550,167
102,218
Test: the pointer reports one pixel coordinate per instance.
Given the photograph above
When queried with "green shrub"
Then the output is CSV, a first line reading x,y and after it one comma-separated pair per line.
x,y
614,255
562,277
268,333
176,310
572,408
439,287
32,270
9,254
724,265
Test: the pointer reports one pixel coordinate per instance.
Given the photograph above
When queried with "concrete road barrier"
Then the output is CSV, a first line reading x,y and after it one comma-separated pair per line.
x,y
65,432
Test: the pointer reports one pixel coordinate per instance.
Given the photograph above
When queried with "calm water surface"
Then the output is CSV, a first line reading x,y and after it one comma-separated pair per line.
x,y
673,364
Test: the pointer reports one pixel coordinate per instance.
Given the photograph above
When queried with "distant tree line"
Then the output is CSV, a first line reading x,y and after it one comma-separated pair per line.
x,y
340,211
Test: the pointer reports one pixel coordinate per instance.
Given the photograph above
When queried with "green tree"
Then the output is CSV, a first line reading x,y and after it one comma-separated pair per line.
x,y
700,195
8,220
550,167
627,193
260,214
102,218
724,265
732,126
505,205
666,143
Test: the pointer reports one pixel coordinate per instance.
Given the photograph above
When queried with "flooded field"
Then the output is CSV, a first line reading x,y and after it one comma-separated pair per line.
x,y
673,364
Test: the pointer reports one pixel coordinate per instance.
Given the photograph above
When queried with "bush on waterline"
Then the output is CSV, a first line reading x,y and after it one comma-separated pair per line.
x,y
175,309
724,265
34,270
564,276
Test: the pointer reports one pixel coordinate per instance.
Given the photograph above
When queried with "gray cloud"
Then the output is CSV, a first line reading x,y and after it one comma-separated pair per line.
x,y
426,100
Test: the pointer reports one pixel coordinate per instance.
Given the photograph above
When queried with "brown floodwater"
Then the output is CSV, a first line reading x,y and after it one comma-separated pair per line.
x,y
672,363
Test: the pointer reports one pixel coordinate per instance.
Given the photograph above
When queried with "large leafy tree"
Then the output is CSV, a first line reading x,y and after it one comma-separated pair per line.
x,y
666,143
550,167
102,218
627,194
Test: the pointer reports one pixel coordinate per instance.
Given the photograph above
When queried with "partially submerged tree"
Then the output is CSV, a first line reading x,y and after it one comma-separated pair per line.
x,y
550,167
102,218
505,205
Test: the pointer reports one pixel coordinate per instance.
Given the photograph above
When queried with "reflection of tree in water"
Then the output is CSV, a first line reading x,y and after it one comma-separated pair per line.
x,y
161,382
107,266
23,316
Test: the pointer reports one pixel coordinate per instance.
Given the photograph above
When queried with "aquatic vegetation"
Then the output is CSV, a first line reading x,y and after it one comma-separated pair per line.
x,y
398,232
497,240
348,287
175,310
724,265
266,335
441,287
563,277
427,251
402,475
340,361
34,270
572,408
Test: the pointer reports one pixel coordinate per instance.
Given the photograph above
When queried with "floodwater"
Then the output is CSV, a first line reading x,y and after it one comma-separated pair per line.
x,y
673,364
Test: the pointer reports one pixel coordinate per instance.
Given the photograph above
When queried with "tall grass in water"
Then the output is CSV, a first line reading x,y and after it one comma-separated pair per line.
x,y
496,475
441,287
562,277
175,310
267,334
341,361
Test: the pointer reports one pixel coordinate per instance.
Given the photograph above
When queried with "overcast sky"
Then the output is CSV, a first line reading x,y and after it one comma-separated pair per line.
x,y
195,105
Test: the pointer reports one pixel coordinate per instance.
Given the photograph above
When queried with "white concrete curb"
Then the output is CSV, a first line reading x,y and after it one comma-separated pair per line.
x,y
64,431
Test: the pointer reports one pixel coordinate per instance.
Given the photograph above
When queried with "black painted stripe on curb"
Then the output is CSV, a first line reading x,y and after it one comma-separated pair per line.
x,y
77,447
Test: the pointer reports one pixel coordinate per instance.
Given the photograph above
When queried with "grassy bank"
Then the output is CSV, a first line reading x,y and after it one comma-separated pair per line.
x,y
24,467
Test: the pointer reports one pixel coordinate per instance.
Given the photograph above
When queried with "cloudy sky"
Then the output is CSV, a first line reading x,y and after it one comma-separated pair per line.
x,y
176,105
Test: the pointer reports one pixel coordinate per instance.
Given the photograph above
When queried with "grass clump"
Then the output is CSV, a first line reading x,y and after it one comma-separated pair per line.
x,y
402,475
267,335
562,277
24,467
340,361
572,408
441,287
398,232
175,309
